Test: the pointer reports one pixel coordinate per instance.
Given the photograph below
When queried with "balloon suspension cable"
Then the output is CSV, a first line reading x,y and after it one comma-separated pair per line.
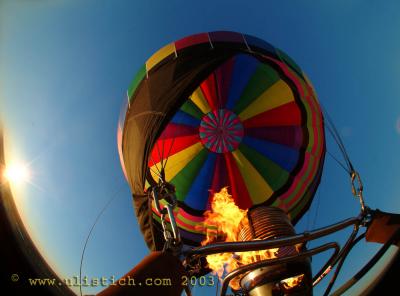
x,y
112,198
336,136
166,191
338,162
356,183
158,173
169,152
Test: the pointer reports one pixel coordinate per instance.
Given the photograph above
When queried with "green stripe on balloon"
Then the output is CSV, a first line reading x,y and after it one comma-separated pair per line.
x,y
135,82
189,222
272,173
263,78
288,60
190,108
298,208
299,192
184,179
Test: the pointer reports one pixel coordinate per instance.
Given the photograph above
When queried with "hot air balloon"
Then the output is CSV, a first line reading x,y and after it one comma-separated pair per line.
x,y
224,110
221,109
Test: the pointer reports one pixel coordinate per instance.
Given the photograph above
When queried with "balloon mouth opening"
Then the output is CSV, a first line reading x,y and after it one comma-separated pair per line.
x,y
221,131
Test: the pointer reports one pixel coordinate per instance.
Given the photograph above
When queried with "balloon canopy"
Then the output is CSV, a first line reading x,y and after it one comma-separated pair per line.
x,y
214,110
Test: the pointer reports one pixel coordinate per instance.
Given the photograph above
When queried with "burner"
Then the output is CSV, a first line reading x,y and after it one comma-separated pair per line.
x,y
292,278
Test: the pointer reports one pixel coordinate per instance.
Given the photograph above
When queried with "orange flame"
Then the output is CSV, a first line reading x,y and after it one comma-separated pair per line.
x,y
292,281
222,225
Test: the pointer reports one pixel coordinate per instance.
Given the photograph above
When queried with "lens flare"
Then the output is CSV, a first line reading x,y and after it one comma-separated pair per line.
x,y
17,173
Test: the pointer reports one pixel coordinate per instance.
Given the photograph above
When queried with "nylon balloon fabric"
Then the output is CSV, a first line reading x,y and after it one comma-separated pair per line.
x,y
221,109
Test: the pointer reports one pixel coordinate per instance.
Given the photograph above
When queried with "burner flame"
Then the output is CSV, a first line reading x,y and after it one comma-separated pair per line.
x,y
222,224
292,281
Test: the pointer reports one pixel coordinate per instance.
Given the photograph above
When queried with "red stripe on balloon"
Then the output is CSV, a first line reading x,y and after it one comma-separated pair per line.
x,y
173,146
220,177
198,219
288,114
291,136
191,40
237,184
174,130
223,76
208,88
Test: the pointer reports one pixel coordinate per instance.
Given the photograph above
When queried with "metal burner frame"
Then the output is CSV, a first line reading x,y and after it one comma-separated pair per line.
x,y
338,256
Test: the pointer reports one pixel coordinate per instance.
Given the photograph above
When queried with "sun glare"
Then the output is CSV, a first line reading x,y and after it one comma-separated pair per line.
x,y
17,174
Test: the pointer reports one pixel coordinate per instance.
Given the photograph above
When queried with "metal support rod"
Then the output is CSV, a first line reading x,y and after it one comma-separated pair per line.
x,y
174,226
330,263
323,272
168,209
275,261
342,257
367,267
230,247
154,194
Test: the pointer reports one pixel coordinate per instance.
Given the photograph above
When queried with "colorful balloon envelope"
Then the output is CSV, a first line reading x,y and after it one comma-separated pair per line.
x,y
214,110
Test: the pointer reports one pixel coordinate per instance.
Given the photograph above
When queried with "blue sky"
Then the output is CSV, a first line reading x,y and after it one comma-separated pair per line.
x,y
64,70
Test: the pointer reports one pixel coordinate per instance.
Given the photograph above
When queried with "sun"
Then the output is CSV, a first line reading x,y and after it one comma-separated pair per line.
x,y
17,173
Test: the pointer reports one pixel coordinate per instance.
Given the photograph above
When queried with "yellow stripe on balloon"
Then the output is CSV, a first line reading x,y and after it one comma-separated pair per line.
x,y
199,100
161,54
177,161
257,187
277,95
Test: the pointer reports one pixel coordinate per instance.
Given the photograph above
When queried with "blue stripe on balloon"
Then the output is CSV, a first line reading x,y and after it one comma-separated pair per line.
x,y
198,238
283,156
243,69
198,194
184,118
